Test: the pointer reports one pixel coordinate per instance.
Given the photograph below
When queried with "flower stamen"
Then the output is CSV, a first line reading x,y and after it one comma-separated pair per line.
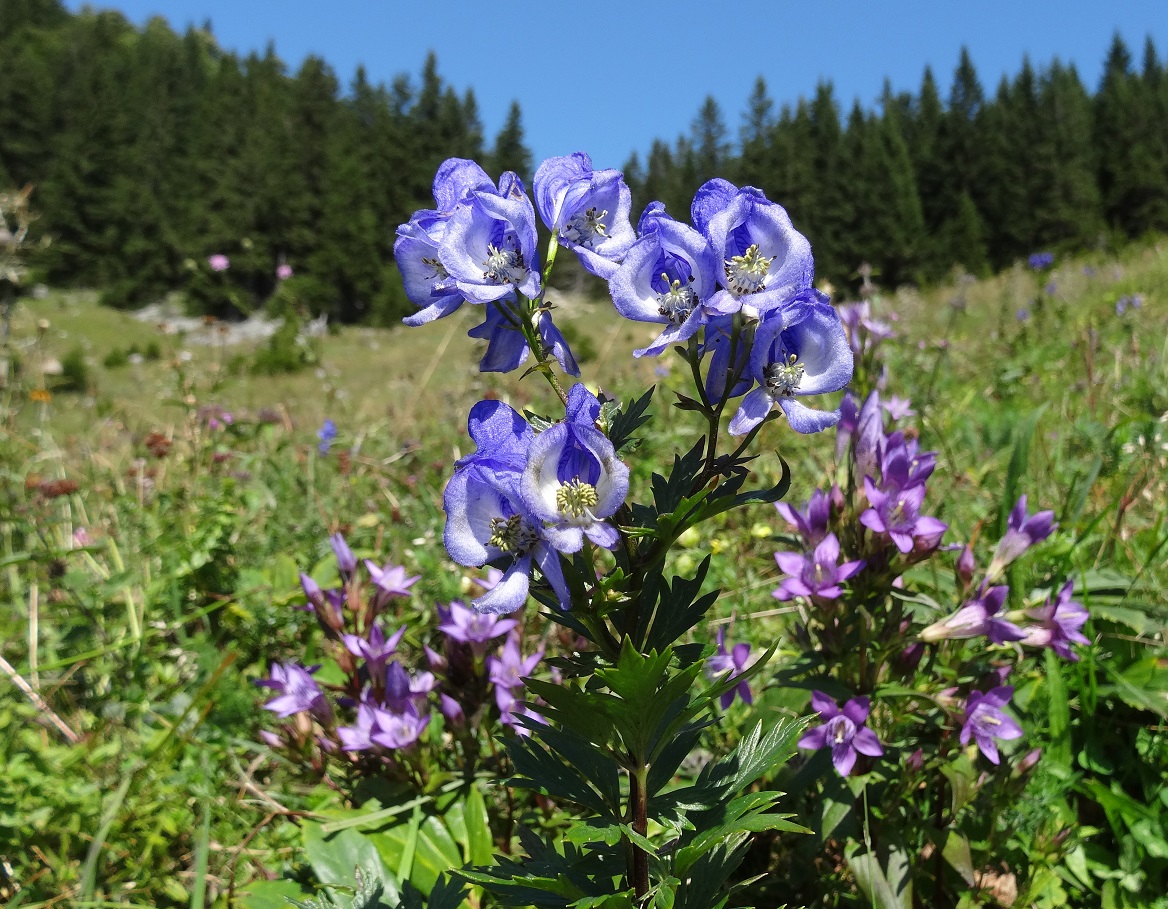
x,y
584,228
746,274
577,499
783,377
678,302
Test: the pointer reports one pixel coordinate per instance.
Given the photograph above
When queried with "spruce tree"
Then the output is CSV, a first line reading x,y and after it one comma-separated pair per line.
x,y
509,151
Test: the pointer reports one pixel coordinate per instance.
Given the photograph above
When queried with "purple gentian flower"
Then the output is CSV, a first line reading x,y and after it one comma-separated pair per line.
x,y
985,721
219,262
863,331
764,260
346,561
869,441
975,618
1059,623
507,348
843,730
817,574
573,479
297,691
390,581
587,210
734,662
375,649
665,277
1022,533
489,244
379,727
468,626
899,408
798,350
898,514
509,669
326,434
901,464
811,522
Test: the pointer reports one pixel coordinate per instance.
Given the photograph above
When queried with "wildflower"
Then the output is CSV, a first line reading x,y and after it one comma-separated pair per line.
x,y
1128,301
587,210
346,561
1059,623
817,574
283,271
843,730
507,348
297,691
489,245
375,649
898,408
1022,532
573,479
219,262
902,465
898,515
733,662
390,581
326,434
866,450
664,278
508,670
863,331
975,618
377,726
476,629
798,350
985,720
720,342
1040,261
763,261
486,517
811,522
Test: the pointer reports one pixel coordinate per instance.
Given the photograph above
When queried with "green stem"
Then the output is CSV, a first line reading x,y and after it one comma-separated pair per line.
x,y
639,807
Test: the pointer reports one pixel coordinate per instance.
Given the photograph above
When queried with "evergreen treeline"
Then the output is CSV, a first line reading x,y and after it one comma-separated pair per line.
x,y
926,183
152,151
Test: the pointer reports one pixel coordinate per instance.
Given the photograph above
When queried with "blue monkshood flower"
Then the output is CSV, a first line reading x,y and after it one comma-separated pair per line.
x,y
811,522
985,720
325,435
1059,621
375,649
843,730
486,519
816,574
734,662
665,278
587,210
718,341
489,245
1022,533
763,260
428,284
346,561
898,514
508,670
475,629
507,348
797,351
978,617
297,691
1040,261
573,479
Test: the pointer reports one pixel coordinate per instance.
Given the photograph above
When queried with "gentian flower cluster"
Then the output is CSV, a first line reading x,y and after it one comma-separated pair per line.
x,y
383,707
859,537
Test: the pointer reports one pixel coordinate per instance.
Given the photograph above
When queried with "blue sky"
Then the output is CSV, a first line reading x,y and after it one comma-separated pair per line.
x,y
608,79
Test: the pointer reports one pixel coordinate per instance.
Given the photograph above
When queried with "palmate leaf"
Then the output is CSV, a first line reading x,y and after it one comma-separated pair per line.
x,y
542,770
665,612
627,420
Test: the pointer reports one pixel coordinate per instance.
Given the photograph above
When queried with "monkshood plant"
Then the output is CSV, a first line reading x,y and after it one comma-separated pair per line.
x,y
918,755
545,499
